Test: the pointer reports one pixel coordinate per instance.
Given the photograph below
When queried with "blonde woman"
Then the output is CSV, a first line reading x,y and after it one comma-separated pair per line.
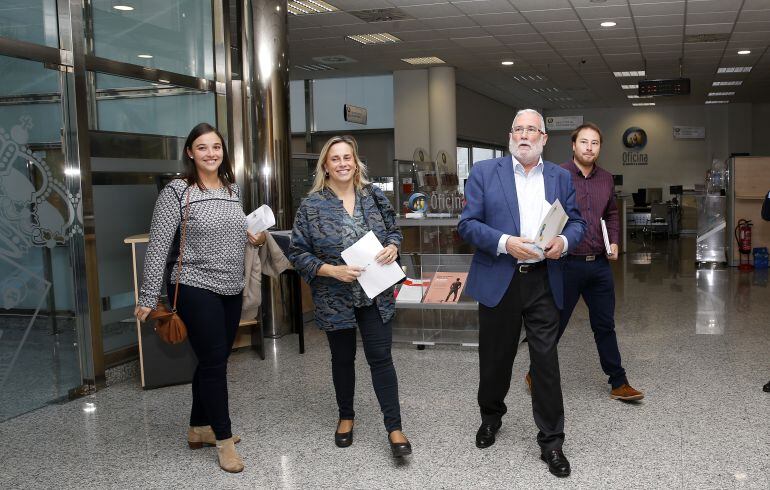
x,y
341,207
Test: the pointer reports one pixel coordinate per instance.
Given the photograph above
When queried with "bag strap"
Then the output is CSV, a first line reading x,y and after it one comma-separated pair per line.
x,y
181,248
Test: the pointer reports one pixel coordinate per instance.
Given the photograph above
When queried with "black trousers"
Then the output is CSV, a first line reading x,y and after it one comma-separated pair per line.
x,y
527,298
212,321
377,338
593,280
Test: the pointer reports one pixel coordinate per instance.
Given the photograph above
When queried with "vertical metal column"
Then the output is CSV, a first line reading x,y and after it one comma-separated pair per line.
x,y
78,178
270,75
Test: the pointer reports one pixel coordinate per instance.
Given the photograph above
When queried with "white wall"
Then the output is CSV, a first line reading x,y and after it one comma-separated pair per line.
x,y
671,162
374,93
760,129
482,119
411,112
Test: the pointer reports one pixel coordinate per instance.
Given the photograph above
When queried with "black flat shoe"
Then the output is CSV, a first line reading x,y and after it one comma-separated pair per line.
x,y
343,439
557,462
400,449
485,436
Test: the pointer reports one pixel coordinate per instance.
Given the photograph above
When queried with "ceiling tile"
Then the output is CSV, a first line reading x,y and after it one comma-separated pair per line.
x,y
521,39
659,31
755,15
484,6
462,32
477,42
513,29
567,25
705,6
660,21
550,15
711,18
498,19
652,40
334,19
669,8
608,12
613,33
432,11
708,29
752,27
561,36
449,22
530,5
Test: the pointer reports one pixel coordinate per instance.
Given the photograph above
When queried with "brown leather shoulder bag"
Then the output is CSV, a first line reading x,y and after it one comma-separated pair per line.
x,y
169,326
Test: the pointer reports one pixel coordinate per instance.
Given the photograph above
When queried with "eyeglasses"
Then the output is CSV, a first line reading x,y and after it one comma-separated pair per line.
x,y
529,130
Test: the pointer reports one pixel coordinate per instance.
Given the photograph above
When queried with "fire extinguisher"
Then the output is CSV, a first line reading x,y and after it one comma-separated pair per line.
x,y
743,237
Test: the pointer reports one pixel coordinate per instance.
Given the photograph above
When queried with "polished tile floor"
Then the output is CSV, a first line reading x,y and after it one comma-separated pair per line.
x,y
697,342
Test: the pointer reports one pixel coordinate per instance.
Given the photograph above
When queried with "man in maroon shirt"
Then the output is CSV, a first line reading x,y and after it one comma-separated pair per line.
x,y
587,271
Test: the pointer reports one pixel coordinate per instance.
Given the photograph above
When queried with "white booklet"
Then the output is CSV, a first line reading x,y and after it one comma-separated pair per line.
x,y
606,238
553,223
412,291
260,219
375,278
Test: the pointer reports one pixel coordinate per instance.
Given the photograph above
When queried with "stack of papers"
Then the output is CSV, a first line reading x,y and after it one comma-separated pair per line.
x,y
260,219
375,278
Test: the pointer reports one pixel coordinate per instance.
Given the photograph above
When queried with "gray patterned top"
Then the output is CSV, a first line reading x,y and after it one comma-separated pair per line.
x,y
355,227
214,246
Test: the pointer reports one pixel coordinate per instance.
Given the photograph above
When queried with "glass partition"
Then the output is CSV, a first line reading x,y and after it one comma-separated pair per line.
x,y
33,22
135,106
39,359
172,35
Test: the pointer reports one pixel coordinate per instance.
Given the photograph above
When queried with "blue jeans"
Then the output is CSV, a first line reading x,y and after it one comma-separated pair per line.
x,y
593,280
377,338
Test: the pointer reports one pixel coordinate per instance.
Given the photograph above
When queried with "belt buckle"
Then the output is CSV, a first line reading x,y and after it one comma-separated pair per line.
x,y
590,258
524,268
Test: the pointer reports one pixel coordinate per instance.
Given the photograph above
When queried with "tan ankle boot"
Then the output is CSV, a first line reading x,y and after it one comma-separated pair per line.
x,y
229,459
203,435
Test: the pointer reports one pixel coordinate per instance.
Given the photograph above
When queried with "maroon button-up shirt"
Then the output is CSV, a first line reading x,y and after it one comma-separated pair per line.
x,y
596,200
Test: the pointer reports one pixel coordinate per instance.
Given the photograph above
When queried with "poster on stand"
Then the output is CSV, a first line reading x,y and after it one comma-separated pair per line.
x,y
446,287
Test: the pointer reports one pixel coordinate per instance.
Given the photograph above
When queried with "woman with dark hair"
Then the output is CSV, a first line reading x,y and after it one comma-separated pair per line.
x,y
211,279
341,208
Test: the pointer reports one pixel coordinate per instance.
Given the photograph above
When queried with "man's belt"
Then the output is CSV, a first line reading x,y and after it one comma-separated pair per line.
x,y
585,258
529,267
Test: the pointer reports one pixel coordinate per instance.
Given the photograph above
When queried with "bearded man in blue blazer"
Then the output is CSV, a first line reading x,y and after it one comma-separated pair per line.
x,y
515,282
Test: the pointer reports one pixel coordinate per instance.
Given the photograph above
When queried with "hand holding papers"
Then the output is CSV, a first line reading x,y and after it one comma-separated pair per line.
x,y
553,223
606,238
260,219
375,278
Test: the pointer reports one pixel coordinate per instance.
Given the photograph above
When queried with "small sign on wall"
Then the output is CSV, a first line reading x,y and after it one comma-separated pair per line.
x,y
689,132
562,123
354,114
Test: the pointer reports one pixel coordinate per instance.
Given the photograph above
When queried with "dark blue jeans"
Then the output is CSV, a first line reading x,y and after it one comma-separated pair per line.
x,y
593,281
212,321
377,338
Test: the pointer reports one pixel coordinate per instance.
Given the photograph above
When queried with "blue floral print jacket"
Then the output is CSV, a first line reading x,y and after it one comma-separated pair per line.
x,y
316,239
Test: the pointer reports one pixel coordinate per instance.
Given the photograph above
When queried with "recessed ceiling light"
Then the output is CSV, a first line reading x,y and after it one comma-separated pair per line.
x,y
734,69
744,51
507,63
723,84
381,38
630,87
634,96
528,78
717,102
609,23
720,94
425,60
125,8
302,7
642,104
145,56
621,74
314,67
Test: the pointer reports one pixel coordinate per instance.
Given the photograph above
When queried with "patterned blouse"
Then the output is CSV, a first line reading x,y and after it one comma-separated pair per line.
x,y
214,246
355,227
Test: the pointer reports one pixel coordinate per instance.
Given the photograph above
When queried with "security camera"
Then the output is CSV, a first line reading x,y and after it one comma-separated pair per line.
x,y
582,61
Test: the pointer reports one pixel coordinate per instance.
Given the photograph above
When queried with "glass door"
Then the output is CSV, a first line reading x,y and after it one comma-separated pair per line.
x,y
39,215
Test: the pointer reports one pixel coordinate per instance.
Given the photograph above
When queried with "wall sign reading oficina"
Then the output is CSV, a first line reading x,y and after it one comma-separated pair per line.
x,y
634,139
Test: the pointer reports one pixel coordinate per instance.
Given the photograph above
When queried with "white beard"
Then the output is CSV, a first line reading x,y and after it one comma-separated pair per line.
x,y
534,153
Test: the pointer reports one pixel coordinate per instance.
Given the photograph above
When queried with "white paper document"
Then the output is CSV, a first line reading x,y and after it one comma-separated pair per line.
x,y
606,237
412,291
260,219
375,278
553,223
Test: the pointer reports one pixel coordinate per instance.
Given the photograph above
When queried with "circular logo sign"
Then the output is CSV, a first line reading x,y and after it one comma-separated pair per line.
x,y
634,138
418,202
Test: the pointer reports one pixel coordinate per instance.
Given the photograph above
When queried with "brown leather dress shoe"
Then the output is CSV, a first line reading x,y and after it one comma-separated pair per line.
x,y
528,381
626,393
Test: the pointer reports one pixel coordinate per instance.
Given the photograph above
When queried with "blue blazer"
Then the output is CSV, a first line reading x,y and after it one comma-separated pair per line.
x,y
492,209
